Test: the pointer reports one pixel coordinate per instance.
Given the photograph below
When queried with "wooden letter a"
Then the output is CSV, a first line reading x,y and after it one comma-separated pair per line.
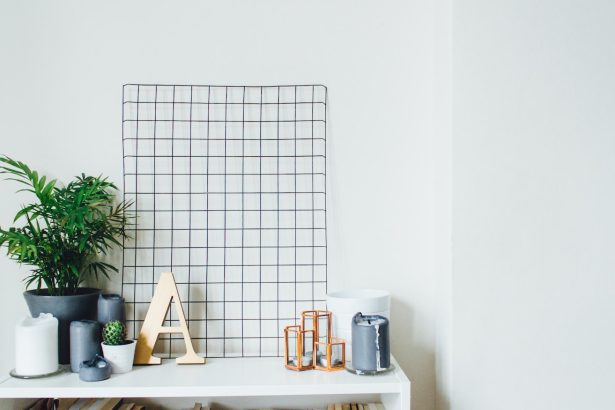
x,y
165,294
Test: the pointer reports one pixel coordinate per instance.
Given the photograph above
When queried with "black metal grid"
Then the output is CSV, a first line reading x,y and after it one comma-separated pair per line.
x,y
230,195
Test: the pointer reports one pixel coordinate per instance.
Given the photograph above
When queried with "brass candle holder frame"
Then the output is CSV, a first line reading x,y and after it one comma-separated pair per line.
x,y
331,365
311,324
310,319
300,336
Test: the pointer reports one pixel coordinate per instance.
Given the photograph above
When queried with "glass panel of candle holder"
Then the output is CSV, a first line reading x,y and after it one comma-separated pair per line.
x,y
308,321
324,326
291,343
331,356
319,321
308,345
338,353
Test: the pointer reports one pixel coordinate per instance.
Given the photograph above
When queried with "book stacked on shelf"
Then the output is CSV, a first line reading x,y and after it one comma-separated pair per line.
x,y
85,404
126,404
356,406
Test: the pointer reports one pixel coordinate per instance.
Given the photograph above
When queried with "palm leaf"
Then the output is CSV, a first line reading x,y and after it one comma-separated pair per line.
x,y
65,229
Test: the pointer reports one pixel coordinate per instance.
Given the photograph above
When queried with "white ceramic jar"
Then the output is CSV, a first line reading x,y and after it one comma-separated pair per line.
x,y
36,345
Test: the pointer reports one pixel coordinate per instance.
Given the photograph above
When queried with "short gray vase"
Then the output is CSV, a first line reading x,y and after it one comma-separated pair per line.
x,y
94,370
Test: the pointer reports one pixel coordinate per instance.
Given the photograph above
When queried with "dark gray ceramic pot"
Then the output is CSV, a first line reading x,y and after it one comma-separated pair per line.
x,y
80,306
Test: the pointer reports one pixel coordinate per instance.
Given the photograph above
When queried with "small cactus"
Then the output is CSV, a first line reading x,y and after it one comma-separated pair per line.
x,y
114,333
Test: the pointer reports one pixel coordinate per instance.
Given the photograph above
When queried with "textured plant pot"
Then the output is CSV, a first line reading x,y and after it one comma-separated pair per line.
x,y
120,357
81,306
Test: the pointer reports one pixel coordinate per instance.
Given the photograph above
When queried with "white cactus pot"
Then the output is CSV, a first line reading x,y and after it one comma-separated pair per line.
x,y
120,357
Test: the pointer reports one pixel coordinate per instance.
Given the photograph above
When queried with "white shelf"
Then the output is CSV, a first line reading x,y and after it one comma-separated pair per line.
x,y
240,377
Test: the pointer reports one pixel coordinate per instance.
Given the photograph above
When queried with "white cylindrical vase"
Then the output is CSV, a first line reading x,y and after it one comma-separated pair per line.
x,y
36,346
347,303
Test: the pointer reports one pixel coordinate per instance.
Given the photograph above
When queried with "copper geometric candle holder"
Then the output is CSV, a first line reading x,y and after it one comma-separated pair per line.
x,y
311,345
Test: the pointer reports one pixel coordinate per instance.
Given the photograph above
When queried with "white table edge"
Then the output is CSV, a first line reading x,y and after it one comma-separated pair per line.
x,y
83,389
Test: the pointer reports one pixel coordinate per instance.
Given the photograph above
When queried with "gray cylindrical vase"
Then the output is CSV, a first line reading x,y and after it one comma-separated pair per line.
x,y
370,343
84,342
111,307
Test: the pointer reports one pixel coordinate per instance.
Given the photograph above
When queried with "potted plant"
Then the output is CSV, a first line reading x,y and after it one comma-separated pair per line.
x,y
118,351
62,234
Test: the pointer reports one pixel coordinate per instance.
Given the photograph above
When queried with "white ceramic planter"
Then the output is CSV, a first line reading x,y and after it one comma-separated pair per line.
x,y
120,357
346,303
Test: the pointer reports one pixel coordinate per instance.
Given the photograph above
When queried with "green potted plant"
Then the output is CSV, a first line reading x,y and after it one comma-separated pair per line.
x,y
118,351
62,234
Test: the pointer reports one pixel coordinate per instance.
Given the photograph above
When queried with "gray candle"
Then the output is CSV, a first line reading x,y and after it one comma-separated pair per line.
x,y
370,343
111,307
84,342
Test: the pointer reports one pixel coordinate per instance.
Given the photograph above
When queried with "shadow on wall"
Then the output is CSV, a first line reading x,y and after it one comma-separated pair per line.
x,y
415,357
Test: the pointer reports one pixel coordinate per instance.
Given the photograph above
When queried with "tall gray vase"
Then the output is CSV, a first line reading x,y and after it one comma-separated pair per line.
x,y
111,307
80,306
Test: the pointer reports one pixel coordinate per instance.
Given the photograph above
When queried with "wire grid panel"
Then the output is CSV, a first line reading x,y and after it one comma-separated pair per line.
x,y
229,189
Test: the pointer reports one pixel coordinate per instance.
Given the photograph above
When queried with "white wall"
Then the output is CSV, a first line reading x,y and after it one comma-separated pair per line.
x,y
533,203
64,62
529,321
442,165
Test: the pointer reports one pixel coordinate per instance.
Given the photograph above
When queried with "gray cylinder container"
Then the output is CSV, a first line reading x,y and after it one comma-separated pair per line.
x,y
84,342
